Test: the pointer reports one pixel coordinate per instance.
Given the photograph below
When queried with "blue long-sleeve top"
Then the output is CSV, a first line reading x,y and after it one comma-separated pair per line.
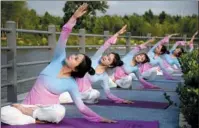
x,y
57,85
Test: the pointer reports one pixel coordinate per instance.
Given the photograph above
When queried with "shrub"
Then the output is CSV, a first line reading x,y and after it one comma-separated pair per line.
x,y
189,95
122,41
190,68
44,40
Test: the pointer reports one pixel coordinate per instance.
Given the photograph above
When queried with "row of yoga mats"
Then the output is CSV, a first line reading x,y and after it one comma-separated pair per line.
x,y
83,123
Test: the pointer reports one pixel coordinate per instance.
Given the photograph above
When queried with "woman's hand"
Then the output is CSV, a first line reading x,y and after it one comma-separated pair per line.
x,y
128,102
193,37
196,33
151,40
81,10
144,45
175,34
104,120
122,30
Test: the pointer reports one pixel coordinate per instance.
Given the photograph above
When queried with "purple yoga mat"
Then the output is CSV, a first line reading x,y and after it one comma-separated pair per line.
x,y
83,123
138,104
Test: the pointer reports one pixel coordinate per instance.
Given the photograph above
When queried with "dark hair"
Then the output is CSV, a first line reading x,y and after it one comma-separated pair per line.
x,y
117,60
83,68
164,50
180,53
147,59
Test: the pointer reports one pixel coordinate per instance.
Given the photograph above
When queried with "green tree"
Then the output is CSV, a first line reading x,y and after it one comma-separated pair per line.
x,y
11,10
162,17
148,15
93,7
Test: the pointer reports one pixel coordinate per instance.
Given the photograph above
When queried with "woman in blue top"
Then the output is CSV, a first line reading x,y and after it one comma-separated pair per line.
x,y
149,70
101,64
59,76
171,59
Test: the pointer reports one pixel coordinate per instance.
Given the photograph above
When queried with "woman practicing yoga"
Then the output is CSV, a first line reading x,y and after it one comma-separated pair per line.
x,y
165,60
149,70
132,62
58,77
101,64
171,59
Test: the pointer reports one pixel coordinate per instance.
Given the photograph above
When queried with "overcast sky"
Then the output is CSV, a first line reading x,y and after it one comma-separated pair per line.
x,y
187,7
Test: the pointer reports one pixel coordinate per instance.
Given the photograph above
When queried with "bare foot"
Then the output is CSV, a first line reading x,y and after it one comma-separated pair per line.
x,y
25,110
40,122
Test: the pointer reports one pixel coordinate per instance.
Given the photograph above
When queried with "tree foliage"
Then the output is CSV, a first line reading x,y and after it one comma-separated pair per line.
x,y
93,7
138,25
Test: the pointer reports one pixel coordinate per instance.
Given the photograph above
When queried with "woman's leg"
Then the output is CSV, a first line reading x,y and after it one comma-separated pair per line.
x,y
53,113
65,98
112,84
91,96
125,82
150,74
13,116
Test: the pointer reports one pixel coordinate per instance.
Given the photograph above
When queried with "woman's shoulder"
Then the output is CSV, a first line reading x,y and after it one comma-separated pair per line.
x,y
68,80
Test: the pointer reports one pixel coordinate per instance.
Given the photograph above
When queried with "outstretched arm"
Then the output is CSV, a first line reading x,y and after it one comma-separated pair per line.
x,y
109,95
109,42
181,43
190,43
146,84
108,92
161,42
66,30
87,112
136,49
162,66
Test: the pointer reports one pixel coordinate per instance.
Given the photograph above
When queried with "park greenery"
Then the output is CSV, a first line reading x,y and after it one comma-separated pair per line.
x,y
138,25
189,93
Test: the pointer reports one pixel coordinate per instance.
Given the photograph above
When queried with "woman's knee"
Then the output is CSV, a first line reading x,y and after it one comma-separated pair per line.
x,y
54,113
12,116
65,98
96,93
60,111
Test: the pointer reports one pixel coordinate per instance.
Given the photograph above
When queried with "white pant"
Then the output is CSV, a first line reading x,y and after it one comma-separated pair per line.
x,y
150,74
111,83
126,81
12,116
174,71
171,71
89,96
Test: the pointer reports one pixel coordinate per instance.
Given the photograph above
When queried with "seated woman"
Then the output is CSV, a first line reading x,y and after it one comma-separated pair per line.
x,y
171,59
149,70
132,62
59,76
101,64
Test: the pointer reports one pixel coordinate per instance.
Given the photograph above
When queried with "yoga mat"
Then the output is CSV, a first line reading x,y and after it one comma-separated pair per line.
x,y
138,104
83,123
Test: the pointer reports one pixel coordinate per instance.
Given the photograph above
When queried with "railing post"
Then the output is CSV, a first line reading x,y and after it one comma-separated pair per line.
x,y
185,39
168,44
11,58
82,41
148,37
106,36
52,39
128,42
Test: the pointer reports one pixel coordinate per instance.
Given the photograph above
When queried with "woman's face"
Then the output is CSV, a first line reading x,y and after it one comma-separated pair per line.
x,y
158,49
74,60
140,58
107,60
177,51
